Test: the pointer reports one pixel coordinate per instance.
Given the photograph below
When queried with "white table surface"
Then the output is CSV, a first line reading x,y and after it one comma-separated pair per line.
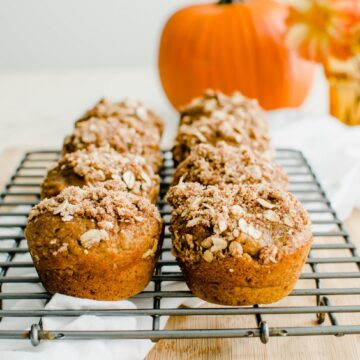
x,y
37,109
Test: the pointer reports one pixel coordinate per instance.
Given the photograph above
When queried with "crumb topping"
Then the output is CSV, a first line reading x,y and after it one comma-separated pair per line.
x,y
257,222
103,203
217,105
131,138
225,164
127,109
213,130
92,237
101,164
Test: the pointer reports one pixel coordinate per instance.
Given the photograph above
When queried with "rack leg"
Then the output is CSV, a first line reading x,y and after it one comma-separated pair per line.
x,y
34,334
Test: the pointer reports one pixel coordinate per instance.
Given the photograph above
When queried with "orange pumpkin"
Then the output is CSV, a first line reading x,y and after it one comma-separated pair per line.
x,y
232,46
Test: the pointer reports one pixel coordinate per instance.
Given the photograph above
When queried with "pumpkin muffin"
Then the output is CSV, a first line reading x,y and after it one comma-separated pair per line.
x,y
94,165
94,242
225,164
132,110
131,138
213,130
215,104
239,244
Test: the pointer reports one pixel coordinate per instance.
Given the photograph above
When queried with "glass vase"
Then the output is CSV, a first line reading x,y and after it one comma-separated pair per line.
x,y
344,89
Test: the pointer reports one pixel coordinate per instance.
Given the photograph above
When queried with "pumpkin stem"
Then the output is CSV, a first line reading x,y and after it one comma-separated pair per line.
x,y
223,2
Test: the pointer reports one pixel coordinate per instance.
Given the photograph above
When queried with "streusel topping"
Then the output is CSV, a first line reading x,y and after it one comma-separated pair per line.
x,y
215,104
99,164
127,122
100,203
225,164
212,131
131,139
257,222
126,109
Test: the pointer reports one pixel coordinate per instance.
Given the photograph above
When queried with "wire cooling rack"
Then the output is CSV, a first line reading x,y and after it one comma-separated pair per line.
x,y
328,289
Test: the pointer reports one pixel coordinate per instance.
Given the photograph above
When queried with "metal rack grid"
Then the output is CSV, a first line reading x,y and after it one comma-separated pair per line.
x,y
22,192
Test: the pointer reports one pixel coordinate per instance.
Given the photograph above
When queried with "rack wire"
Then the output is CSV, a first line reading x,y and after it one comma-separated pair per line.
x,y
327,290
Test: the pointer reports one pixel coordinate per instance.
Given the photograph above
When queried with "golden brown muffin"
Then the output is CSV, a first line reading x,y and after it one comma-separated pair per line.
x,y
132,139
215,104
125,109
239,244
94,243
225,164
211,130
94,165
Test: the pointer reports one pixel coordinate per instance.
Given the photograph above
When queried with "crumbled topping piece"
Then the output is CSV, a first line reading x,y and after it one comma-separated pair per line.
x,y
208,256
271,216
235,249
142,113
151,252
265,204
93,237
207,243
129,179
64,209
193,222
253,232
61,249
268,253
229,220
222,225
254,172
237,210
243,226
219,244
148,253
288,221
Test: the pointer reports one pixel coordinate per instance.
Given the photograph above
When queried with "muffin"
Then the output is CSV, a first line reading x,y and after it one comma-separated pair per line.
x,y
225,164
127,108
239,244
134,139
215,104
213,130
94,242
94,165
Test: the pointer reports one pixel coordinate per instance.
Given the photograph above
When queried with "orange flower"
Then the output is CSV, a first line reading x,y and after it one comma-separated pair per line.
x,y
355,39
321,28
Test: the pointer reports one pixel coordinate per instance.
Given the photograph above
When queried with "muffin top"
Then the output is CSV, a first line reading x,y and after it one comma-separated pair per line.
x,y
104,204
130,138
98,219
126,109
225,164
94,165
213,130
215,104
257,222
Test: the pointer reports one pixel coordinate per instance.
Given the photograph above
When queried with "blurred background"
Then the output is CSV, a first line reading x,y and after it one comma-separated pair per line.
x,y
82,34
58,57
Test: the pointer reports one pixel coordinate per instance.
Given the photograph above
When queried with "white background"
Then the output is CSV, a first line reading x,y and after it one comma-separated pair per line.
x,y
58,34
